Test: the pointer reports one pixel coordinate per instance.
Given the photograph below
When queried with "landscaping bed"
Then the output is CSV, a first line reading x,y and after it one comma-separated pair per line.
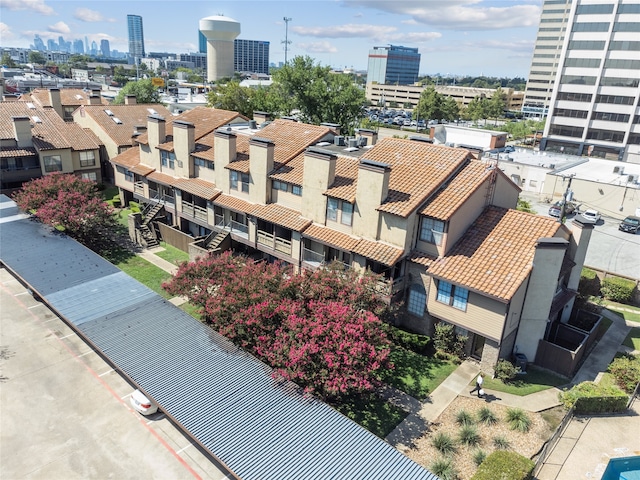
x,y
527,444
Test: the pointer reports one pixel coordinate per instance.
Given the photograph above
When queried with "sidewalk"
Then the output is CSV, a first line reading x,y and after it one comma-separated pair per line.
x,y
149,254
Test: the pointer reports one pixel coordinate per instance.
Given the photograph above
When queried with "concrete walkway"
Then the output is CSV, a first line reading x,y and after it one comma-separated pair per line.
x,y
149,254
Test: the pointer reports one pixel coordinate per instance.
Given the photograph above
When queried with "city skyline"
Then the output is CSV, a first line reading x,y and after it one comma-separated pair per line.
x,y
456,37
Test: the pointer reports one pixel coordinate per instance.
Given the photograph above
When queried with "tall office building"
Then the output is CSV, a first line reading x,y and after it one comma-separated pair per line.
x,y
39,44
546,54
393,65
594,104
78,47
105,51
202,42
251,56
136,36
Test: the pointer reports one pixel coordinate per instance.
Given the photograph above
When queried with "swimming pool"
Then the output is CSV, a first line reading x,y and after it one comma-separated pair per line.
x,y
625,468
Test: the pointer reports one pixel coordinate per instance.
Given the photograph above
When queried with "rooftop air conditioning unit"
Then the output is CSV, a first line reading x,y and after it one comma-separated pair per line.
x,y
362,141
632,179
353,143
338,140
617,169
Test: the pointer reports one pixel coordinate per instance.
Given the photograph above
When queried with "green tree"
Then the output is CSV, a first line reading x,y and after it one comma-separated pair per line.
x,y
7,61
36,58
317,94
431,105
143,90
497,104
478,108
232,97
450,109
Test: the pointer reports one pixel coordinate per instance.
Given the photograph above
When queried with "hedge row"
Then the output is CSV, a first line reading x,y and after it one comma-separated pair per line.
x,y
590,398
504,465
411,341
615,289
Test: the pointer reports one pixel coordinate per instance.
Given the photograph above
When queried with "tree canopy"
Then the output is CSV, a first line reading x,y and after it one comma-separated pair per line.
x,y
143,90
70,204
435,106
36,58
320,329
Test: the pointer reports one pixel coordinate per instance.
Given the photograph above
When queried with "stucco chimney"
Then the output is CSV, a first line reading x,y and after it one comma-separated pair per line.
x,y
157,130
371,190
333,126
224,152
55,101
261,117
130,100
318,175
94,100
184,142
370,135
22,131
261,152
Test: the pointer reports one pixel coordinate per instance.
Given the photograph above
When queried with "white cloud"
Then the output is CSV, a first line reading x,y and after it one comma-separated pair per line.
x,y
414,37
317,47
35,5
87,15
344,31
59,27
5,32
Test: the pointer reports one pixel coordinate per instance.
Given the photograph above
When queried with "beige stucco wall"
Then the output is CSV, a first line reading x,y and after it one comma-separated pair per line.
x,y
505,193
87,122
393,230
319,173
204,173
371,190
65,157
183,145
260,164
286,199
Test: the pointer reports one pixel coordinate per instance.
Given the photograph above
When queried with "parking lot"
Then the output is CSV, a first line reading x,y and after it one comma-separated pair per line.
x,y
64,412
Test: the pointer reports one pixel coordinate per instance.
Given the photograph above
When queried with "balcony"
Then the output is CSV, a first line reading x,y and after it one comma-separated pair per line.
x,y
194,211
313,258
138,187
390,286
276,243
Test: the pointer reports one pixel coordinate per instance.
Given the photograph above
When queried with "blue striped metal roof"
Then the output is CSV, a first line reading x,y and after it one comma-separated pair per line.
x,y
224,398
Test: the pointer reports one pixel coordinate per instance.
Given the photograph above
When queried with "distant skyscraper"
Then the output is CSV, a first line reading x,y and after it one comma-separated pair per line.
x,y
136,36
39,44
202,42
251,56
52,46
78,47
86,45
393,65
593,107
94,48
104,48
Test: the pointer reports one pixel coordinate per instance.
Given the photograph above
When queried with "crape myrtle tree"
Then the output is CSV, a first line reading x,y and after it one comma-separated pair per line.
x,y
70,204
320,329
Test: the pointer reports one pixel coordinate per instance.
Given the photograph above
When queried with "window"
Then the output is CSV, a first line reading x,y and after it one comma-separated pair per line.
x,y
620,63
619,82
624,45
582,62
167,159
417,300
614,99
90,176
605,135
68,113
574,97
87,158
566,131
591,27
586,45
629,8
53,163
128,175
456,296
577,80
626,27
296,190
200,162
347,214
332,209
233,179
611,117
282,186
594,9
244,180
431,230
565,112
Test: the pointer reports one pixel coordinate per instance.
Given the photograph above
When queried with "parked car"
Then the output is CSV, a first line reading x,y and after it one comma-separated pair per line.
x,y
630,224
554,210
591,216
142,404
509,149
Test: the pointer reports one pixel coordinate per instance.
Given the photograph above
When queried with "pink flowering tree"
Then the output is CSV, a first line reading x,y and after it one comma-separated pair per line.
x,y
70,204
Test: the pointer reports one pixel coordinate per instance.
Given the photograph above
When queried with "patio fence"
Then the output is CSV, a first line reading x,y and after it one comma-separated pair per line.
x,y
548,446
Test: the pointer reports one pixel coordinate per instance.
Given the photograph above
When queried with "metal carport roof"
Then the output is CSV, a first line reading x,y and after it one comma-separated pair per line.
x,y
222,397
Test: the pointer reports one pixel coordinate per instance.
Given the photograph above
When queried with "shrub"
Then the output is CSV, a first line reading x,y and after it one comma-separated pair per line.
x,y
464,418
501,443
479,456
444,443
626,371
518,420
505,370
503,464
589,397
469,435
447,340
411,341
116,201
443,468
617,289
589,283
486,416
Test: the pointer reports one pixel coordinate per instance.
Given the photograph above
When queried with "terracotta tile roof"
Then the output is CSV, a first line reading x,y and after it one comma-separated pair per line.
x,y
237,204
378,251
447,201
198,187
495,255
130,116
129,158
344,185
204,147
162,178
6,152
422,258
291,172
167,146
331,237
417,170
283,216
205,119
69,97
79,138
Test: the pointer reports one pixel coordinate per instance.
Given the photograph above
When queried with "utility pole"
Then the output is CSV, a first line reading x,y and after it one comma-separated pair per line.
x,y
286,40
564,199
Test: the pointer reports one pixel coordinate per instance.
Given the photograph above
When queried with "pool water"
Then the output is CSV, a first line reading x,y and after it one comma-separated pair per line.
x,y
625,468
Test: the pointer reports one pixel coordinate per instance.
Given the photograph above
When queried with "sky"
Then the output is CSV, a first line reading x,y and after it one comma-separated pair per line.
x,y
454,37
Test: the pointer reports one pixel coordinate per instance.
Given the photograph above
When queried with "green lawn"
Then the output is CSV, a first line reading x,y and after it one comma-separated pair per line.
x,y
628,312
172,254
145,272
191,309
415,374
633,339
373,413
535,380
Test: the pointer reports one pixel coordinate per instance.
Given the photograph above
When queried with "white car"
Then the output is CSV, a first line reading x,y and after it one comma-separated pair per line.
x,y
142,404
591,216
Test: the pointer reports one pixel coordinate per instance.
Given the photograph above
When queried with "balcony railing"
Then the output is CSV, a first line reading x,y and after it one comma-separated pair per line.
x,y
276,243
312,257
390,286
195,211
239,228
138,187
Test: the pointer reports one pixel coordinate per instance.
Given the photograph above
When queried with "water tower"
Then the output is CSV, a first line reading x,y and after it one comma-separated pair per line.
x,y
220,32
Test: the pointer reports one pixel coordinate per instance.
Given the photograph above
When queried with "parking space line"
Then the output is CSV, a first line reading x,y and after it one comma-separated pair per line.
x,y
67,336
85,353
106,373
21,293
183,449
35,306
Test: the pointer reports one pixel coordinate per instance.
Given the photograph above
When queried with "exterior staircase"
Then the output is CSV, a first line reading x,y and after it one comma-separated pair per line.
x,y
148,237
214,240
151,213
